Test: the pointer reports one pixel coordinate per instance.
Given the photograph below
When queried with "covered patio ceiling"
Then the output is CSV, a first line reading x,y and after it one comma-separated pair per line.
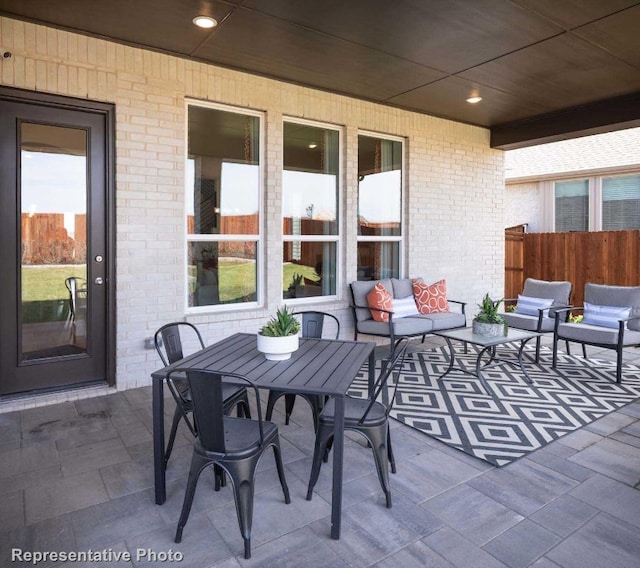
x,y
546,69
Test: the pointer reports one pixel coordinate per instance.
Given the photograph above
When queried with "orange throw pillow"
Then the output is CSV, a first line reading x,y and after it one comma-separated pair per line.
x,y
380,298
430,298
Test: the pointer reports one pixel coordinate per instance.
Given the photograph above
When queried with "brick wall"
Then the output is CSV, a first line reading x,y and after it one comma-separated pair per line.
x,y
454,182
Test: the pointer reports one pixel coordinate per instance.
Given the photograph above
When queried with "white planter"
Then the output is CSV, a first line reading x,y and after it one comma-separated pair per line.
x,y
278,348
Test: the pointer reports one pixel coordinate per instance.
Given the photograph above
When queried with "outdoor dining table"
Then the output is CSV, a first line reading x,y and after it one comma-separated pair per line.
x,y
325,367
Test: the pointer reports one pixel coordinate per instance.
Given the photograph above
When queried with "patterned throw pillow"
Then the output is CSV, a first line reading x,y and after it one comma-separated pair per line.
x,y
380,298
529,306
430,298
604,316
404,307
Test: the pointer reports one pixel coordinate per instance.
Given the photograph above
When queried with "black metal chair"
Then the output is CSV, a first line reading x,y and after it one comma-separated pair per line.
x,y
169,341
233,444
369,417
312,326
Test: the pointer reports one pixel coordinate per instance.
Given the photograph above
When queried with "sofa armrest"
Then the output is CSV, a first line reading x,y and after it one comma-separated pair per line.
x,y
461,304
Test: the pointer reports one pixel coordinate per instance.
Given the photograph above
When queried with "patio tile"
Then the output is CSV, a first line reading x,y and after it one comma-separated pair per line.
x,y
201,545
603,541
472,514
63,496
93,456
12,511
544,562
580,439
564,515
53,535
615,459
522,544
103,525
38,420
432,473
610,423
31,458
416,555
126,478
9,426
524,486
459,551
293,550
613,497
560,464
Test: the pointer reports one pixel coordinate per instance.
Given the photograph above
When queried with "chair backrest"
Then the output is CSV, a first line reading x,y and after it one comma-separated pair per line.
x,y
313,323
208,405
171,337
620,296
559,291
393,366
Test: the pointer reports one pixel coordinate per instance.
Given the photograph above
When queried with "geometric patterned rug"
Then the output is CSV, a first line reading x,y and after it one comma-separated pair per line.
x,y
520,417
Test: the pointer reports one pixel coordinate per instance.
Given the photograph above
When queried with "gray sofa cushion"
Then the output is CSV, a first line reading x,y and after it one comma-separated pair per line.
x,y
443,320
401,326
604,295
596,334
402,287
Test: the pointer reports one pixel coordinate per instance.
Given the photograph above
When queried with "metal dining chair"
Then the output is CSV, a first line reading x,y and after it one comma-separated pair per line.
x,y
312,326
369,417
169,341
232,444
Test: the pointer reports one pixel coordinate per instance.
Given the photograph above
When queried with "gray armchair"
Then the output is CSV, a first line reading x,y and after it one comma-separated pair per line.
x,y
541,319
603,325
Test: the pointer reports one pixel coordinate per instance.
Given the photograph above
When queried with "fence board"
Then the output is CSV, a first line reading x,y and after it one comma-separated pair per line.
x,y
603,257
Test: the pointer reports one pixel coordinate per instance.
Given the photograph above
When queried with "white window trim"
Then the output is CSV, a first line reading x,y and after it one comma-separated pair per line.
x,y
403,203
258,239
339,221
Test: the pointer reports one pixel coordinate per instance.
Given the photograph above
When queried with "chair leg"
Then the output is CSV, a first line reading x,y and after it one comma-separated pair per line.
x,y
554,359
538,349
619,367
177,415
392,460
323,435
198,463
584,350
277,453
378,439
271,402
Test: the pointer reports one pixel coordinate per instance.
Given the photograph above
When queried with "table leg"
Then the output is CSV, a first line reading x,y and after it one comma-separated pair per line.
x,y
338,457
491,351
372,372
158,440
452,357
520,352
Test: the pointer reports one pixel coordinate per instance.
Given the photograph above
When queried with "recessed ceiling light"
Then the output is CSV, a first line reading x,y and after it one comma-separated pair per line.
x,y
313,145
473,100
205,22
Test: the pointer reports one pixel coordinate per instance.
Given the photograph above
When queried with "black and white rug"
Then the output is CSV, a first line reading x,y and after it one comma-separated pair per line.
x,y
519,417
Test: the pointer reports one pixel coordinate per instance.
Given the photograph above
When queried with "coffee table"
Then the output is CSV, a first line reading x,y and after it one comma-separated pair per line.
x,y
487,345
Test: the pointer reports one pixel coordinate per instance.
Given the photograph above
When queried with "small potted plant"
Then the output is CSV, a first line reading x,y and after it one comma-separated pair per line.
x,y
278,339
488,321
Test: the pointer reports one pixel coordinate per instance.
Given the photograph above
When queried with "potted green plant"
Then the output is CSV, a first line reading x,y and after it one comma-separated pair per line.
x,y
278,338
488,321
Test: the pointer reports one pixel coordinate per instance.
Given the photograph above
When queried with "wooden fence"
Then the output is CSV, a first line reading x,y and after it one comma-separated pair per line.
x,y
603,257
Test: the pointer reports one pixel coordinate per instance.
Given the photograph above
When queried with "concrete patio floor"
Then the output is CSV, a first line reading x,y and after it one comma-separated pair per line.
x,y
77,476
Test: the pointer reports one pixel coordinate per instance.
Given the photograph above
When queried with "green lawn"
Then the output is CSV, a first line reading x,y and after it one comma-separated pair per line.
x,y
40,283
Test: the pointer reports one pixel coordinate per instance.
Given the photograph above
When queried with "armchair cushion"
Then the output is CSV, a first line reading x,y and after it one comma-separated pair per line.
x,y
596,334
529,306
528,323
605,316
430,298
379,298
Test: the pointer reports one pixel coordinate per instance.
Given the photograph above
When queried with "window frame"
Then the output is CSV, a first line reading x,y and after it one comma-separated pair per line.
x,y
338,237
402,236
198,237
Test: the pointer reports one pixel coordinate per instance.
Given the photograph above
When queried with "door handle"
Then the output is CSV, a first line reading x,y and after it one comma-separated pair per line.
x,y
99,280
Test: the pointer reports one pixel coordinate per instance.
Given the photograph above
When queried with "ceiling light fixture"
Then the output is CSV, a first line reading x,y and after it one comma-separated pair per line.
x,y
474,99
313,145
205,22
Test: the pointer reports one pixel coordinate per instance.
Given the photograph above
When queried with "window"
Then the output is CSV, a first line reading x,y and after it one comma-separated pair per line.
x,y
597,204
223,182
379,207
310,213
572,206
621,203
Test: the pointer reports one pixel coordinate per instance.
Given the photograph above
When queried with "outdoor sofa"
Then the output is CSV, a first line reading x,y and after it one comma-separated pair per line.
x,y
403,321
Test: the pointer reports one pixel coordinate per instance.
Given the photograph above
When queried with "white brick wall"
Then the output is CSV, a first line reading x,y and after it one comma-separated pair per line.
x,y
455,190
524,204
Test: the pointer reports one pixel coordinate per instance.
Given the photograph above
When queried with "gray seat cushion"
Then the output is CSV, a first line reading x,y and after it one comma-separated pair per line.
x,y
401,326
442,320
596,334
621,296
529,323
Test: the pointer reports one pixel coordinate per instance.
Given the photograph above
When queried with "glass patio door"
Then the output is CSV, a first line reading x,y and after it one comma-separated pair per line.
x,y
53,204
